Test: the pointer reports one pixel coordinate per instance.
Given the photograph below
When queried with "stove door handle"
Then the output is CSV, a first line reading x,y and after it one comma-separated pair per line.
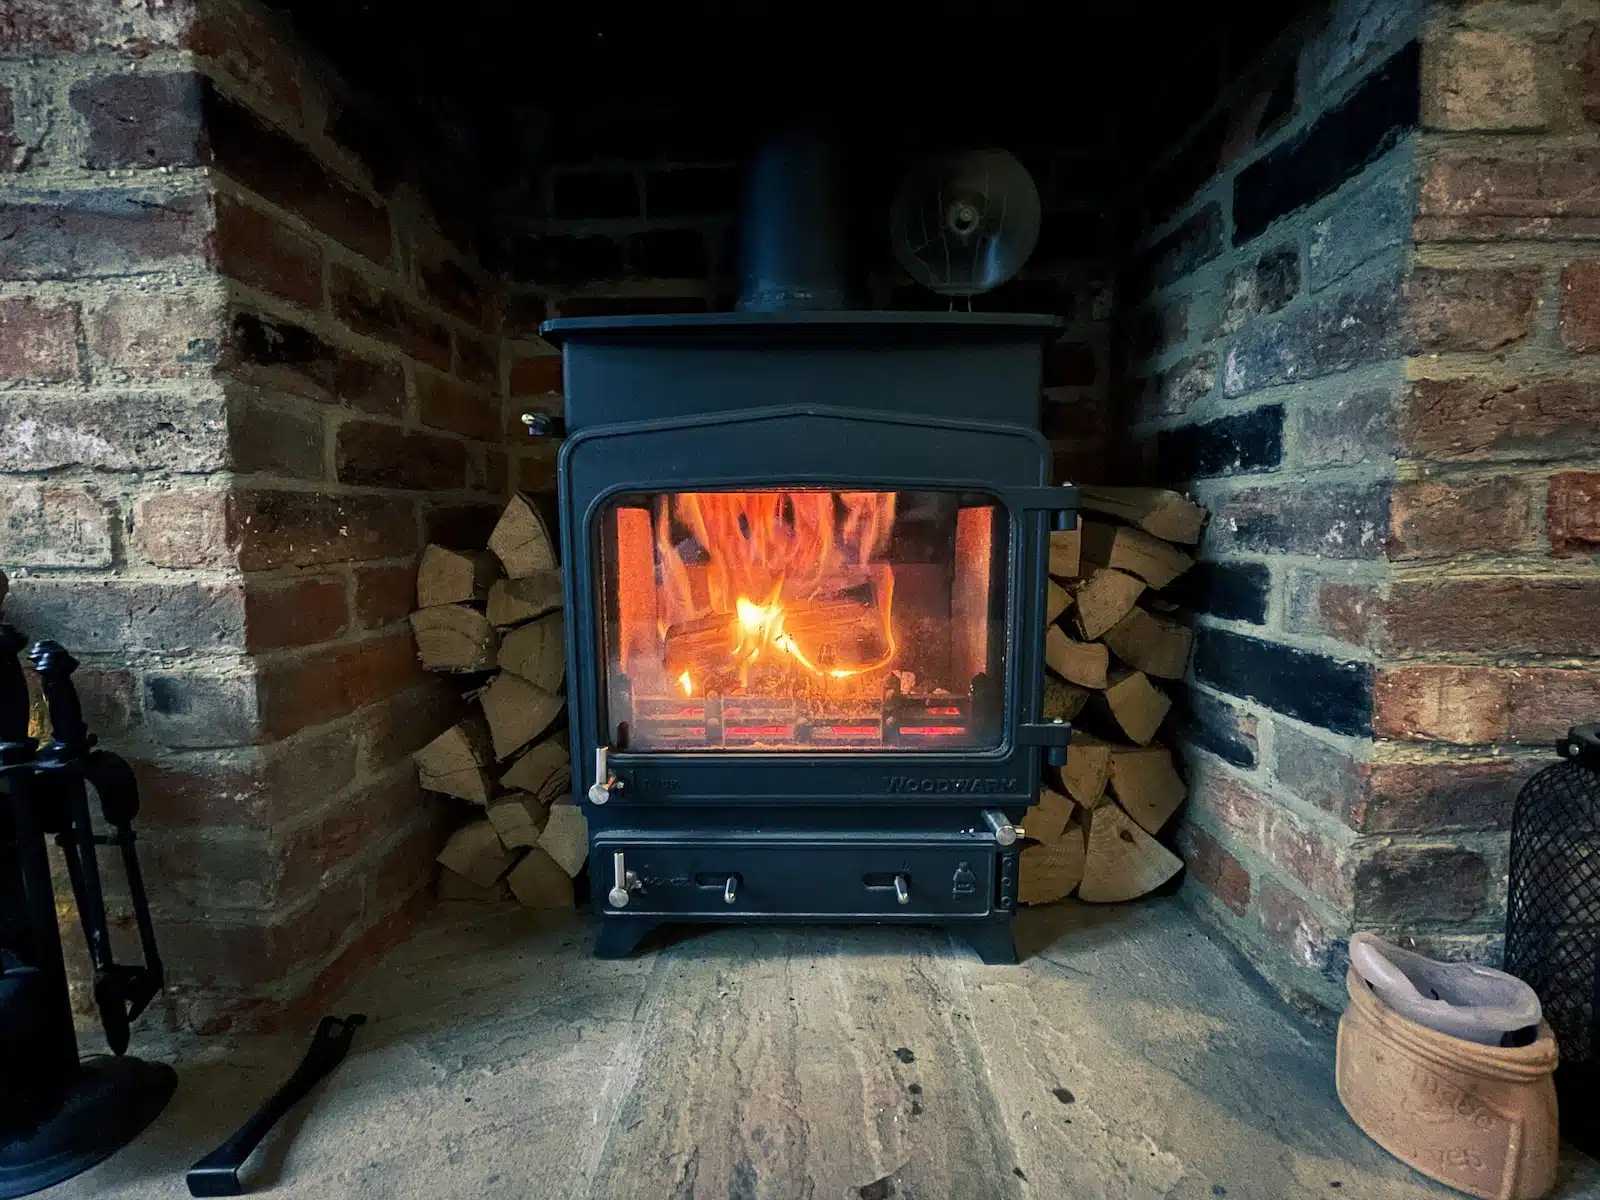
x,y
1005,833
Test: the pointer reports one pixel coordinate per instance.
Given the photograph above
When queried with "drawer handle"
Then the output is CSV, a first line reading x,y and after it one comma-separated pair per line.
x,y
901,884
902,889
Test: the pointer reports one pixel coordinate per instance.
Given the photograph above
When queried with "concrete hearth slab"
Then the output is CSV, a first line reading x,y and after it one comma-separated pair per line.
x,y
1129,1057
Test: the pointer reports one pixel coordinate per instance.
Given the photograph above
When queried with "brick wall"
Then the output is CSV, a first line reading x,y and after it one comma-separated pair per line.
x,y
1351,339
244,378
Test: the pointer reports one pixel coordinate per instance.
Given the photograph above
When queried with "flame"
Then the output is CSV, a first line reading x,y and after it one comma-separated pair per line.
x,y
686,683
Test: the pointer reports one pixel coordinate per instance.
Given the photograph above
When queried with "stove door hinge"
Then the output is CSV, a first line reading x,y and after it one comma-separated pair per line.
x,y
1060,502
1055,736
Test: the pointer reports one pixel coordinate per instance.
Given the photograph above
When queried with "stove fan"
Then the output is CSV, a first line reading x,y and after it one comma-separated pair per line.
x,y
965,224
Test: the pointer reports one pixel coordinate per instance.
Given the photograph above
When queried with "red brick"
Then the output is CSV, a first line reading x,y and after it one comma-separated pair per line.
x,y
202,790
334,681
1465,705
300,613
1262,825
1470,309
357,822
1550,183
263,253
146,336
302,771
373,455
88,234
260,530
38,341
1348,611
54,525
456,290
1481,80
1573,513
210,953
1411,884
110,698
407,866
1219,872
1496,615
10,159
116,616
74,26
1547,701
378,311
392,729
443,403
1473,417
1431,518
535,376
184,528
1429,797
478,362
1293,924
249,45
1308,856
144,120
281,356
461,526
1580,306
384,595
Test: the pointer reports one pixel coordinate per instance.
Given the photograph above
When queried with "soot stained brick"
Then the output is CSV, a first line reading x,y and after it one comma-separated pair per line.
x,y
1313,687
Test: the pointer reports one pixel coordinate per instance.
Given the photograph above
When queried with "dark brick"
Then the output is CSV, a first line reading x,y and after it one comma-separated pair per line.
x,y
1488,616
81,235
1345,430
1191,245
1333,333
1260,288
456,290
461,526
278,169
38,342
536,375
1470,309
1475,417
443,403
302,612
1580,305
377,311
1251,441
200,709
478,362
566,258
1215,725
522,313
1068,417
1375,219
1319,773
1347,611
692,192
1411,884
259,251
9,143
77,26
669,254
141,120
113,432
372,455
1431,797
118,616
1312,687
1234,591
383,595
1172,185
284,356
1573,513
273,439
1432,518
1219,872
332,683
1338,521
1369,123
595,194
1185,384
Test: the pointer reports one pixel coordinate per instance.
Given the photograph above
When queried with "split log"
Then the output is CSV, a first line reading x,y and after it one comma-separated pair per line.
x,y
1146,784
1062,700
536,652
517,712
513,601
452,577
544,771
1151,644
1137,705
456,762
1166,515
1087,770
476,854
518,818
521,540
1134,551
566,837
455,887
1056,601
1104,599
537,881
1082,663
1047,820
453,637
1122,862
1046,874
1065,553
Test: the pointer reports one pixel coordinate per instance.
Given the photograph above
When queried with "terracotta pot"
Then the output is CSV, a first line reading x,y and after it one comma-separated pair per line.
x,y
1479,1118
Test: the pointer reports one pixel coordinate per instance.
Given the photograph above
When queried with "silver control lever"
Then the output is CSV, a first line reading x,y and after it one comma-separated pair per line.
x,y
730,890
623,881
902,889
1005,833
604,781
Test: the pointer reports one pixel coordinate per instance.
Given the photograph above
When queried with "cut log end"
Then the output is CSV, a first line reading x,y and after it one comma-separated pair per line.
x,y
521,540
1122,862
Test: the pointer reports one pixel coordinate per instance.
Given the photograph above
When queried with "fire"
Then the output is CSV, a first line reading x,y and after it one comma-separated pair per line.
x,y
686,683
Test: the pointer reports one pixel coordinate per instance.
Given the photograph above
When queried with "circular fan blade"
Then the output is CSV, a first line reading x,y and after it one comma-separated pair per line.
x,y
966,224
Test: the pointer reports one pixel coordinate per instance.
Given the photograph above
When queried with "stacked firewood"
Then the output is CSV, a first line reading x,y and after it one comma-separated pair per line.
x,y
1111,636
495,617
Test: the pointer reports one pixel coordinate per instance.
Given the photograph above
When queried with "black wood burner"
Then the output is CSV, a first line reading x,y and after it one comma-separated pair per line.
x,y
806,555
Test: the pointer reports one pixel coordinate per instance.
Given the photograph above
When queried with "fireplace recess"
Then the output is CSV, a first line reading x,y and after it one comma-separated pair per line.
x,y
806,555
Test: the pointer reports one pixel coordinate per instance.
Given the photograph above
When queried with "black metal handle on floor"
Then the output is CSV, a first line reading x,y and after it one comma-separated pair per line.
x,y
217,1174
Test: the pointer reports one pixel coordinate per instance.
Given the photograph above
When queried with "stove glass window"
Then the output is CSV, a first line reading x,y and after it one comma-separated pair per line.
x,y
814,621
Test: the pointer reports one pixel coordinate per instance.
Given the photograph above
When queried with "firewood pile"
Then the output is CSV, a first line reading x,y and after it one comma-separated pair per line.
x,y
494,617
1113,642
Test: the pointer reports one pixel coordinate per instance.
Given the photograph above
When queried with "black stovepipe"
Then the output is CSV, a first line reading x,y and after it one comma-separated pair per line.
x,y
59,1113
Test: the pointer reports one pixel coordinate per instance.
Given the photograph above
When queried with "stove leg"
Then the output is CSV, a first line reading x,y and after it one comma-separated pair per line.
x,y
992,942
620,935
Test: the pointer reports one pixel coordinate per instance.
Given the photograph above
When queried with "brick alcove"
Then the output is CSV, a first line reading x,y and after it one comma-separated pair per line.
x,y
268,312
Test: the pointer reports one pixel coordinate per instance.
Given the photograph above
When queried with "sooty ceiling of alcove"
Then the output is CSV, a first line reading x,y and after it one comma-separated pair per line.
x,y
490,93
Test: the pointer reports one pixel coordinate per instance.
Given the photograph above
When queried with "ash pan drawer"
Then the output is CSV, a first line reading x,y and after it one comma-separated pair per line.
x,y
716,881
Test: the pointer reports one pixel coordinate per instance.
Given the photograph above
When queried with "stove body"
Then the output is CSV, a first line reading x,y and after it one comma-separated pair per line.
x,y
805,563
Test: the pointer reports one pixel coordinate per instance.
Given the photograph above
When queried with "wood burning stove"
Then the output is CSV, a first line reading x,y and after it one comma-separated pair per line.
x,y
806,557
